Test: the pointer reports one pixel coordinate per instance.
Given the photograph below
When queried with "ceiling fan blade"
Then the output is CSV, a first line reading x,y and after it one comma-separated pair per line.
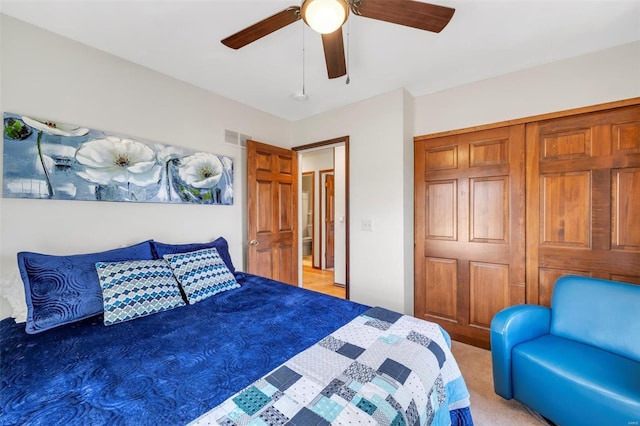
x,y
334,54
423,16
263,28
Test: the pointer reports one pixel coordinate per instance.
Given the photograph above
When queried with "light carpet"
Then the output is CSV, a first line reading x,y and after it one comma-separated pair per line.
x,y
487,408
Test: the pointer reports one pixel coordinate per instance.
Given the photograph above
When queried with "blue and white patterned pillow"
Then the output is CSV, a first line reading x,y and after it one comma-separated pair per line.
x,y
201,273
137,288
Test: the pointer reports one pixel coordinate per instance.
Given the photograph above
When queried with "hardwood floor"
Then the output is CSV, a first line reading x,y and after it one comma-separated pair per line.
x,y
320,280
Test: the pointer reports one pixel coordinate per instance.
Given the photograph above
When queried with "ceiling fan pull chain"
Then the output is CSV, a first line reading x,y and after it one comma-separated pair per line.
x,y
348,80
304,92
354,5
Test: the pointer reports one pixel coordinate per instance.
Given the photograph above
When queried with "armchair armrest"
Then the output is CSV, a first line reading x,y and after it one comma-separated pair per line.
x,y
509,327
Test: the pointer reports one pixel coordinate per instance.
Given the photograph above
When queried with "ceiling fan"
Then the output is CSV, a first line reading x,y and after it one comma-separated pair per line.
x,y
327,17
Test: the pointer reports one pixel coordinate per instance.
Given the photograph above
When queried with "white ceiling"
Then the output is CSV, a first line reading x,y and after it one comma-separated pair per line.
x,y
484,39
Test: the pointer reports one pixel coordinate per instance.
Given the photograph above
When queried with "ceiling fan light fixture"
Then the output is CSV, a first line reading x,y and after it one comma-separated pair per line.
x,y
324,16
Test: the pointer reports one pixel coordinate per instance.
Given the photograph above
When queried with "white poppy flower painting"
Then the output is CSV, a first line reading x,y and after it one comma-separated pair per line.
x,y
47,159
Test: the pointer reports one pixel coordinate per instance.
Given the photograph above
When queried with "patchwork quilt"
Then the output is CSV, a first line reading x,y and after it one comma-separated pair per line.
x,y
381,368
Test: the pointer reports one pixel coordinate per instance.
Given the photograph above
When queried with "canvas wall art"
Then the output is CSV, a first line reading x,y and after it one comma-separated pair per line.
x,y
49,160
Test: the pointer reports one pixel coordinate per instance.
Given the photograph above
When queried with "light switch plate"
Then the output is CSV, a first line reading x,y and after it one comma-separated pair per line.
x,y
367,225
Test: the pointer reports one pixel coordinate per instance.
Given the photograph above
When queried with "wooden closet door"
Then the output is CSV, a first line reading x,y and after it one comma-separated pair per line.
x,y
469,227
583,199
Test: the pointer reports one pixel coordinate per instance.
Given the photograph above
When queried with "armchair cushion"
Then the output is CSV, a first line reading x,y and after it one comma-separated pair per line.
x,y
557,375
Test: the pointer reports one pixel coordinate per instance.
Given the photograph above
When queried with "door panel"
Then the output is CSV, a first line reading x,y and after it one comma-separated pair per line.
x,y
262,262
264,207
489,220
484,153
285,200
625,226
565,209
583,199
489,291
442,283
287,254
469,219
441,158
442,210
626,137
272,212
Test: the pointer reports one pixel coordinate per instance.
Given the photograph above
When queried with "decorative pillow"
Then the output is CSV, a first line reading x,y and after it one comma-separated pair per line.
x,y
201,273
64,289
137,288
220,244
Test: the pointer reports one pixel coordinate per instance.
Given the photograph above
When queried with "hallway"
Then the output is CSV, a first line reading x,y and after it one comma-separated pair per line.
x,y
320,280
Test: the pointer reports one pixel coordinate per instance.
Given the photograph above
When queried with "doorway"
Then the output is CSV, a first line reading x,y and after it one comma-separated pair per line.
x,y
323,171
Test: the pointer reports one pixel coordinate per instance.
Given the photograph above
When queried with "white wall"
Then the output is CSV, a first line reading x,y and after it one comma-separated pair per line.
x,y
376,171
604,76
408,169
49,76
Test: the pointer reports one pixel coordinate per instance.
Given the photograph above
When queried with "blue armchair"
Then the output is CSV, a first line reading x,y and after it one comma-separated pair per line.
x,y
578,362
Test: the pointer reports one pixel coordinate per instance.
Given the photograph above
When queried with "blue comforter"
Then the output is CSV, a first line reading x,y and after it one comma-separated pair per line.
x,y
168,368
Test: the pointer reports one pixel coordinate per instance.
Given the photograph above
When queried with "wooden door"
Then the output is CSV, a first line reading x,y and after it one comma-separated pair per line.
x,y
469,228
583,199
329,220
272,212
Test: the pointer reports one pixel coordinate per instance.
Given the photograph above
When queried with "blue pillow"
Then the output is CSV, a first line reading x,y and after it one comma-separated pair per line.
x,y
136,288
201,273
64,289
220,244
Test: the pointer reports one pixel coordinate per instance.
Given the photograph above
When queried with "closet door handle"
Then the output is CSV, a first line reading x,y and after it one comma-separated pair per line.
x,y
254,242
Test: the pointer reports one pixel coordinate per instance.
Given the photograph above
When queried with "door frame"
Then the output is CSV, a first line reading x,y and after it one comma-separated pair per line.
x,y
329,143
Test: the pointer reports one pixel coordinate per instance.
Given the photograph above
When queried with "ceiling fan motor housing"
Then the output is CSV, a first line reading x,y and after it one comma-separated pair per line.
x,y
324,16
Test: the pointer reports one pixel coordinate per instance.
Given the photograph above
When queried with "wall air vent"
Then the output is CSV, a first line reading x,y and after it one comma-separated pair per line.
x,y
236,138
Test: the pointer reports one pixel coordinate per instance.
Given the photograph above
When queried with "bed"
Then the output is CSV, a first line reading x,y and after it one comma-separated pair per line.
x,y
259,352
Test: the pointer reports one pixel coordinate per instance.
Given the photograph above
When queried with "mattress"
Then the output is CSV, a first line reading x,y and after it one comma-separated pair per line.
x,y
168,368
